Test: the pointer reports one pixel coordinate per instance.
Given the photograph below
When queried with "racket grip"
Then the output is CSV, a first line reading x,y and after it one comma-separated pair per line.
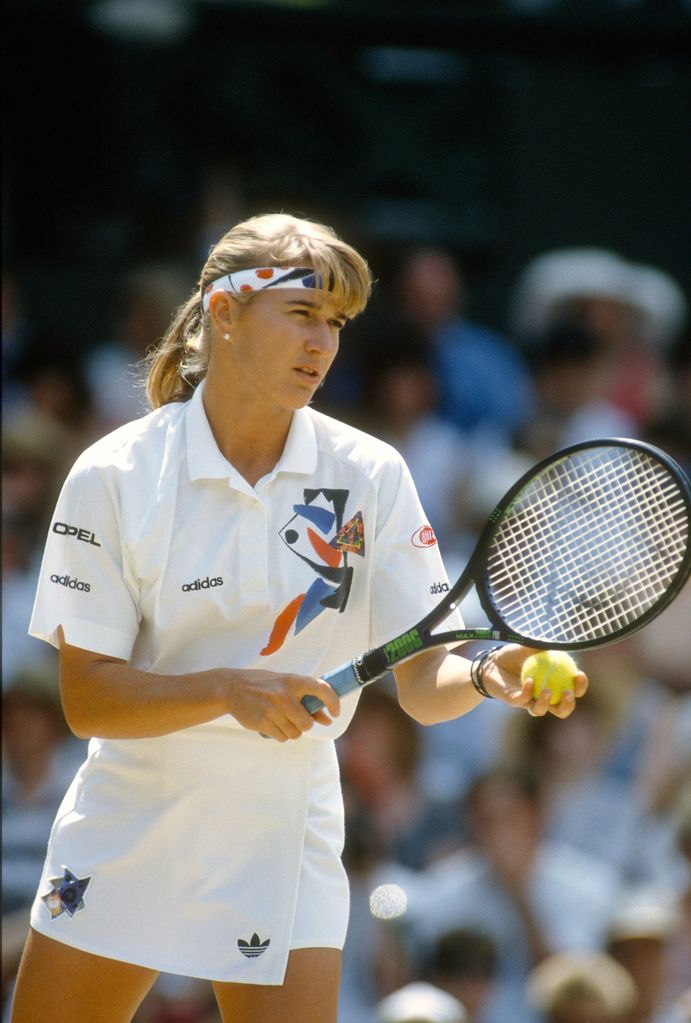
x,y
343,680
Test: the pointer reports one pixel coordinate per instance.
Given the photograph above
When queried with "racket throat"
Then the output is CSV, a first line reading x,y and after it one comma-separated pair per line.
x,y
377,662
371,666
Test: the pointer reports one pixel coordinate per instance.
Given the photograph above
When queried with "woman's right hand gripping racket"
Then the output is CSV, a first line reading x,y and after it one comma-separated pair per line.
x,y
586,548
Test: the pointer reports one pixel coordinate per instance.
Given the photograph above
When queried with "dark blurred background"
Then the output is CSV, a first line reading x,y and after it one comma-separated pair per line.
x,y
499,128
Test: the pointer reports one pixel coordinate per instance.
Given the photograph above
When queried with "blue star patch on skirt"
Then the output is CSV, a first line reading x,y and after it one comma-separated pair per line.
x,y
66,894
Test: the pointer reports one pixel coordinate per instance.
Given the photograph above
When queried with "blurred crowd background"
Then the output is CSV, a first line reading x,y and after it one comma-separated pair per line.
x,y
517,174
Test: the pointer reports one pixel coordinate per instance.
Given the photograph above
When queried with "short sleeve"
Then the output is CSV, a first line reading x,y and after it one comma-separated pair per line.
x,y
85,584
409,576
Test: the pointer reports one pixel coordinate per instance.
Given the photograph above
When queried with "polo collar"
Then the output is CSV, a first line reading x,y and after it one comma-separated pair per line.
x,y
300,453
205,460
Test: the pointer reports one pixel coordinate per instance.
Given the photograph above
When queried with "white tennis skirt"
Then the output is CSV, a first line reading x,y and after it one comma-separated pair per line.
x,y
209,853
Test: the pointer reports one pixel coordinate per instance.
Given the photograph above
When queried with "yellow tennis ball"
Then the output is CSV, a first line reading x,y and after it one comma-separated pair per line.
x,y
550,669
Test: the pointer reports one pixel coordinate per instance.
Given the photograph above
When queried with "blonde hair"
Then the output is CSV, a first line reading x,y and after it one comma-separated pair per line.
x,y
177,365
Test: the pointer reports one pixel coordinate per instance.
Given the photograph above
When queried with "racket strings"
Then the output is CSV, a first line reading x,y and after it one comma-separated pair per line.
x,y
589,546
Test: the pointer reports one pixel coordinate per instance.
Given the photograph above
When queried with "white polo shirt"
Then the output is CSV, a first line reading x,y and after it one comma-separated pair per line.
x,y
162,554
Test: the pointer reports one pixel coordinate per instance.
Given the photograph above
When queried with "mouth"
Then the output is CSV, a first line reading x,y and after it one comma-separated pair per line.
x,y
308,373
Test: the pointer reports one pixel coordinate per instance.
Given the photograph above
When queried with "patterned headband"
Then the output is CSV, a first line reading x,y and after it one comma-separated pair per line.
x,y
245,281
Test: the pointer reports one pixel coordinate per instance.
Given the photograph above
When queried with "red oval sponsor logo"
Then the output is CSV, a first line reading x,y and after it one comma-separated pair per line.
x,y
424,537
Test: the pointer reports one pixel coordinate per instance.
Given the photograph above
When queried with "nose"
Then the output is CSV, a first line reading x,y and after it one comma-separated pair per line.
x,y
323,338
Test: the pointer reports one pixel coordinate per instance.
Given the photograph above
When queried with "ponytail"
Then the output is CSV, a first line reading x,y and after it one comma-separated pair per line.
x,y
178,363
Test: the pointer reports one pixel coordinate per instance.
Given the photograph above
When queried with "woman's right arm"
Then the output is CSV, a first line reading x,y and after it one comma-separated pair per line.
x,y
106,697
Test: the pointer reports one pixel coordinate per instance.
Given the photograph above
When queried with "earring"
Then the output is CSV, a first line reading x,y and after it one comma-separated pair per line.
x,y
226,336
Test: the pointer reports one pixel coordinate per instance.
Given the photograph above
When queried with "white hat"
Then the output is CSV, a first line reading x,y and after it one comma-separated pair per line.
x,y
561,976
564,274
420,1003
662,302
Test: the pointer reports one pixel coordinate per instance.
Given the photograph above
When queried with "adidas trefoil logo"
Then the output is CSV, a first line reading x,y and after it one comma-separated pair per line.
x,y
254,947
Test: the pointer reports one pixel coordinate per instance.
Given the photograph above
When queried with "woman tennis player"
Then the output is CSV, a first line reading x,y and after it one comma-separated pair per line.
x,y
206,564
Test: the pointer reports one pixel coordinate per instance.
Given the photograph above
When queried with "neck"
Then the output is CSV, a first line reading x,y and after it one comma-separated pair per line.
x,y
251,438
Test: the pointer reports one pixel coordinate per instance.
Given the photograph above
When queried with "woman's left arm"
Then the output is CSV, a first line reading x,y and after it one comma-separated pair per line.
x,y
435,685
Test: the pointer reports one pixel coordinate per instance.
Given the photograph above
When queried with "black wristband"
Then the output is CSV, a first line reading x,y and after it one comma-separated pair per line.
x,y
476,669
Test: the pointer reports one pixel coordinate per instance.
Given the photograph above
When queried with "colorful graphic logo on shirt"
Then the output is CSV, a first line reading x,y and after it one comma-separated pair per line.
x,y
318,535
423,537
66,894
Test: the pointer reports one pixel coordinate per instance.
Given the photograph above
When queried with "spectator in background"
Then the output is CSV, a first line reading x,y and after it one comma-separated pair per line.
x,y
56,388
585,806
644,685
34,450
533,897
401,399
420,1002
663,653
33,465
570,368
639,938
636,311
464,964
483,383
572,987
379,759
176,999
149,295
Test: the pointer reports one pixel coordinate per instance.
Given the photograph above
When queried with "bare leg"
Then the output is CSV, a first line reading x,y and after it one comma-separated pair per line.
x,y
309,993
59,983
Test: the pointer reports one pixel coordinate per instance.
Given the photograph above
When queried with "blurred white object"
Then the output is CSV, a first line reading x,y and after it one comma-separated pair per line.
x,y
563,275
645,912
388,901
550,984
420,1003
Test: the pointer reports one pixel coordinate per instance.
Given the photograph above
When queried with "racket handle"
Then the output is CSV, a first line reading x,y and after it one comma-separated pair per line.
x,y
343,680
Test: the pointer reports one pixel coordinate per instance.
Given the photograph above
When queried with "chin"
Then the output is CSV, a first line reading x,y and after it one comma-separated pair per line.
x,y
294,402
304,396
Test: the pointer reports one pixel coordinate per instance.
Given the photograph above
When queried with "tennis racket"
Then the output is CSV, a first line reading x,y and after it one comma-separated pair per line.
x,y
586,548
